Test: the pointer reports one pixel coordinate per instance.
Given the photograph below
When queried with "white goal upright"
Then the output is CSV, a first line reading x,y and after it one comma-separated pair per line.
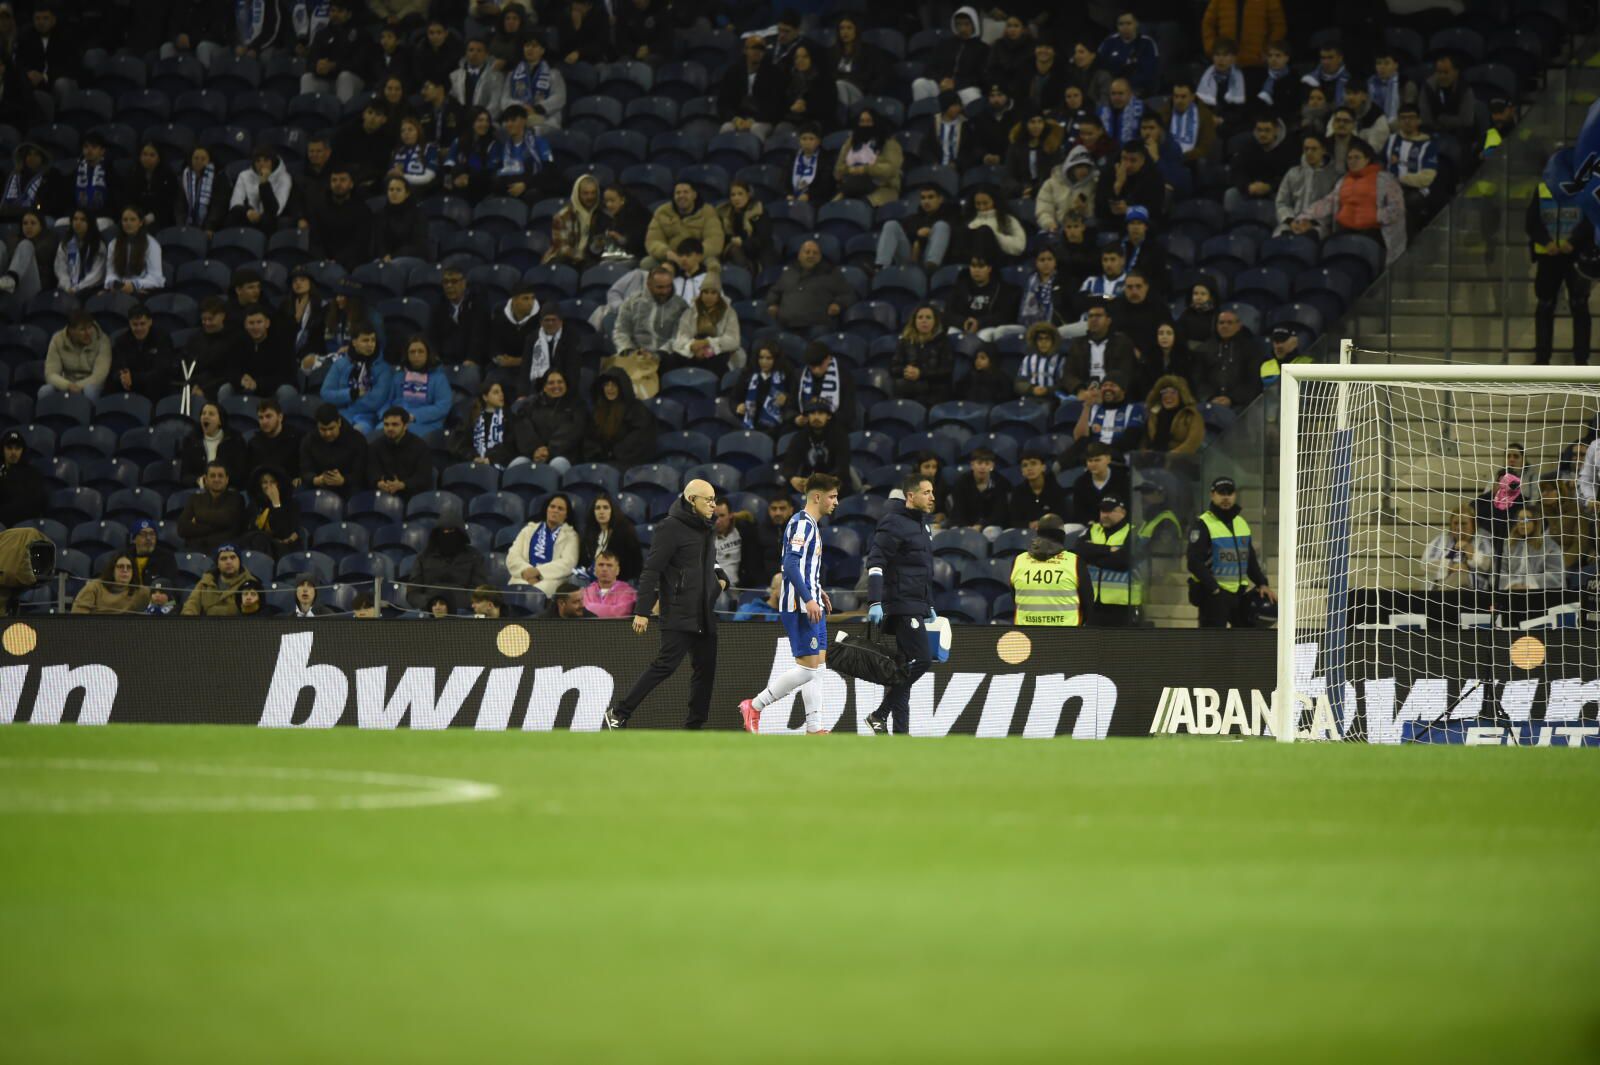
x,y
1416,559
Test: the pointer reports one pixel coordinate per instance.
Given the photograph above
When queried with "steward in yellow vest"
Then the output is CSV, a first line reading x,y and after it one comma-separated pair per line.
x,y
1113,570
1049,583
1223,568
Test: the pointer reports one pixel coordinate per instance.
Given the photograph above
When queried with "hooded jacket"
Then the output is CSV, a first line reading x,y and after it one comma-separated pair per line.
x,y
361,410
669,228
632,440
1071,186
1302,187
424,394
275,198
572,227
68,362
216,596
647,324
1187,431
22,492
681,571
449,565
963,59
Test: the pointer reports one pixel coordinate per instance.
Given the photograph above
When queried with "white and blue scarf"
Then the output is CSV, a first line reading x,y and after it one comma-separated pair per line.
x,y
1386,94
823,393
950,140
309,16
1185,127
250,16
489,432
197,193
78,263
417,160
768,414
530,86
90,190
804,171
1271,86
527,156
1038,304
1211,91
542,548
23,195
1124,125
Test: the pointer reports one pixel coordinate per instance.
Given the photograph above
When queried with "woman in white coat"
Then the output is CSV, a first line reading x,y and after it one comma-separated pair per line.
x,y
545,552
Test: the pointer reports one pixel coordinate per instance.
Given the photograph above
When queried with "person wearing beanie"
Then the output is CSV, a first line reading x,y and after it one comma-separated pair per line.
x,y
161,603
22,490
1051,585
152,559
217,594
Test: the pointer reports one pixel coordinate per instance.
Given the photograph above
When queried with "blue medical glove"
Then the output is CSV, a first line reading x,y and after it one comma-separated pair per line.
x,y
875,613
933,615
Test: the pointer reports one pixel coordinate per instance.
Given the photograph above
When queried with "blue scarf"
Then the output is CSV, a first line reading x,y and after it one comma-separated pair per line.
x,y
249,16
20,194
1386,94
77,262
416,160
527,156
530,86
489,432
950,140
197,193
1123,125
823,393
1040,302
1185,127
804,172
542,548
1271,85
309,16
1212,91
91,191
768,414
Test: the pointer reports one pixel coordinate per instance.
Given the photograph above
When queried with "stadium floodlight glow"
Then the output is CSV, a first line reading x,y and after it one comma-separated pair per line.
x,y
1374,459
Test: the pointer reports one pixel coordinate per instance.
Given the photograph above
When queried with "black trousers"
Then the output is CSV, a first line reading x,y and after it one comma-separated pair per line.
x,y
911,639
1550,274
702,651
1114,617
1226,609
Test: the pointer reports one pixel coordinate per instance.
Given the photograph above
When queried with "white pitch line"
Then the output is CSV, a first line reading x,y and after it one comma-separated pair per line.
x,y
416,791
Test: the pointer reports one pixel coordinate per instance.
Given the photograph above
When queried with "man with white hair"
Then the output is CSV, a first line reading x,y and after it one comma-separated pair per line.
x,y
682,570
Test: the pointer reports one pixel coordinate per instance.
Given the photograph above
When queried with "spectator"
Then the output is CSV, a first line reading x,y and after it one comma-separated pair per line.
x,y
91,183
511,332
1366,200
822,446
608,596
505,42
1191,123
1038,493
690,271
535,84
29,260
1260,164
675,222
1070,188
958,62
1044,81
991,231
610,531
1556,234
133,262
809,92
467,172
572,230
1253,24
1225,576
1446,103
365,145
1304,184
1564,522
521,162
1387,87
475,82
810,293
161,603
305,604
490,437
858,67
390,61
398,461
763,609
545,552
219,591
400,230
923,363
340,319
922,237
1173,423
272,517
1281,93
978,499
986,383
1170,357
770,534
1413,158
335,456
750,96
449,564
214,515
1099,480
1107,284
1460,557
1092,136
1370,123
115,592
142,358
421,389
1166,157
1137,313
264,196
763,394
825,385
153,561
1133,182
215,442
953,137
621,431
264,356
1121,112
1045,297
1316,113
1330,74
1341,130
342,229
441,118
22,491
746,231
1035,152
207,356
992,127
359,382
362,607
869,163
1221,87
557,421
33,185
338,54
647,323
1530,563
1144,254
551,347
1198,322
1228,372
78,359
708,333
566,604
737,546
302,315
274,443
459,324
1041,369
582,35
1132,55
981,303
1109,418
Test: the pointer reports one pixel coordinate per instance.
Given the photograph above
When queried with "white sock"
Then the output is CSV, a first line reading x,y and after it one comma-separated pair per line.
x,y
795,678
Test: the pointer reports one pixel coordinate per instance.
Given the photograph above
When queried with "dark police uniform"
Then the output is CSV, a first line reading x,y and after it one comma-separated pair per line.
x,y
1222,568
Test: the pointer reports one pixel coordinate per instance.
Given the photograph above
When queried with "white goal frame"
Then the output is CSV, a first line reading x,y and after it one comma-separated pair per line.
x,y
1286,718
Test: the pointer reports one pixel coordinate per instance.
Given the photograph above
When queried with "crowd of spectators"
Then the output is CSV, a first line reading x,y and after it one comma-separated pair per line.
x,y
535,241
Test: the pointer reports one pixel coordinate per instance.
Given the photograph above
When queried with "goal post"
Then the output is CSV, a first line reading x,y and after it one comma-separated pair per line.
x,y
1371,468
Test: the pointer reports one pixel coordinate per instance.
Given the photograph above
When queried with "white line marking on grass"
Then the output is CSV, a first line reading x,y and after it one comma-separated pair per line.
x,y
414,791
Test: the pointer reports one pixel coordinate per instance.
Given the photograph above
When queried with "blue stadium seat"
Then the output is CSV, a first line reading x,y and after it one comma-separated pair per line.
x,y
594,474
497,510
684,444
1262,288
842,553
1031,418
1010,543
316,563
989,578
723,477
896,416
960,544
468,479
108,475
337,540
530,482
745,449
373,510
733,150
970,607
81,442
653,483
93,537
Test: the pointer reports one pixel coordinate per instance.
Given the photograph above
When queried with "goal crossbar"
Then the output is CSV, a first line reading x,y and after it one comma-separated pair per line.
x,y
1285,708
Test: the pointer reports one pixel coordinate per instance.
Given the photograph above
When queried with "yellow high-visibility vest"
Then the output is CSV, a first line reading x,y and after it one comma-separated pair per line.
x,y
1046,592
1115,587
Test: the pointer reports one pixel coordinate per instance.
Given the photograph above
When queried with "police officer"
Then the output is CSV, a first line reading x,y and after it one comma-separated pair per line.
x,y
899,588
1050,584
1113,570
1223,568
1557,236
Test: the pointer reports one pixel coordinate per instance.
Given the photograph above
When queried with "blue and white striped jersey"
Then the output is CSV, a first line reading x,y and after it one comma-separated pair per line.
x,y
802,563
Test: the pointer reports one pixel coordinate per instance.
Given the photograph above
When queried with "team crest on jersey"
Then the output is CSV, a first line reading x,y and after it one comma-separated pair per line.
x,y
813,643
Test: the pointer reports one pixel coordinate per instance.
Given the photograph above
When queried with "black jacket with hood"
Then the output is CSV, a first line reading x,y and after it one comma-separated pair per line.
x,y
633,441
681,569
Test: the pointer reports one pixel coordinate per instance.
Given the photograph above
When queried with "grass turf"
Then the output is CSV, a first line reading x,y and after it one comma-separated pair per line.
x,y
722,898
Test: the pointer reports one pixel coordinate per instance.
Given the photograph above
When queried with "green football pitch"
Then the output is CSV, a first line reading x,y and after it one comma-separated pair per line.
x,y
231,895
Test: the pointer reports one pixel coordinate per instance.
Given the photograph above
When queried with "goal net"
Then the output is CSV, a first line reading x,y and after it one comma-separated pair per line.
x,y
1438,554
